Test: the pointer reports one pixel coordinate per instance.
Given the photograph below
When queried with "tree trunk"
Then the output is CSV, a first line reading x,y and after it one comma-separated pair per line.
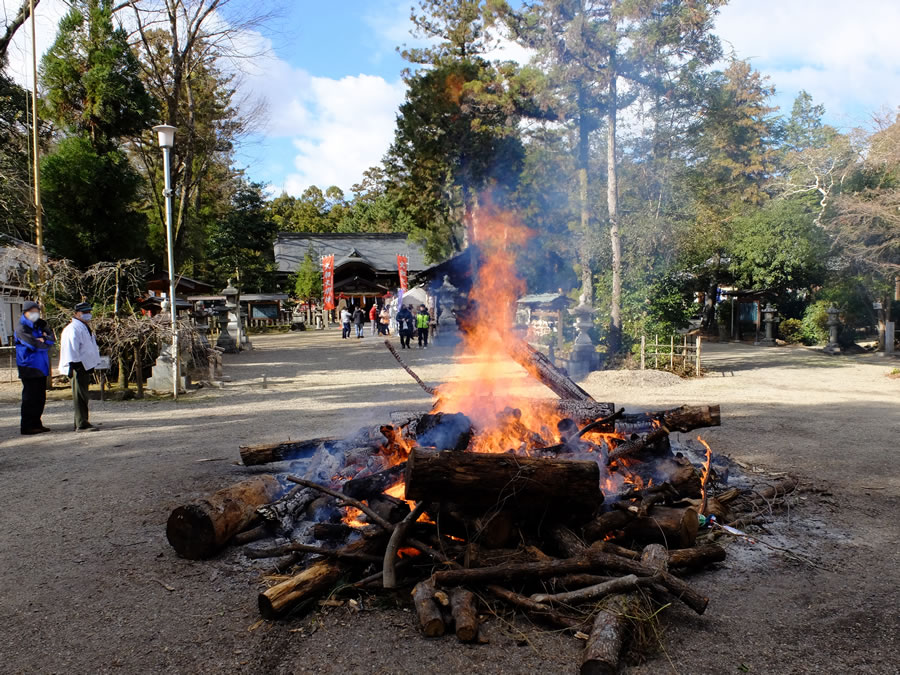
x,y
200,529
614,340
480,479
540,367
583,161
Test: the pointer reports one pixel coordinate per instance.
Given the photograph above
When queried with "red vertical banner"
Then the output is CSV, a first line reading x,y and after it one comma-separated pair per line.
x,y
328,281
403,269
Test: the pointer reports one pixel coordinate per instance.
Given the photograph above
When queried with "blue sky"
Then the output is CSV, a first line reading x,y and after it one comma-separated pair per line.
x,y
331,81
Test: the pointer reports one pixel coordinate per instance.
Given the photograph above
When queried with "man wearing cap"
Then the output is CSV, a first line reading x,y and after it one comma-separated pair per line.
x,y
78,356
33,342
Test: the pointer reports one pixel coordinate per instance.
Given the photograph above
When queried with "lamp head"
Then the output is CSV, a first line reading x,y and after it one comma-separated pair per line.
x,y
166,135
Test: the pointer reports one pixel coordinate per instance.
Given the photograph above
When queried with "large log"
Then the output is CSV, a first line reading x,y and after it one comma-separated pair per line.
x,y
674,527
685,418
253,455
287,510
480,479
201,528
697,556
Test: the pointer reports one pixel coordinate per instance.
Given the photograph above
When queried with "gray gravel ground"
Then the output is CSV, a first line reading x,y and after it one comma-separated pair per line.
x,y
86,571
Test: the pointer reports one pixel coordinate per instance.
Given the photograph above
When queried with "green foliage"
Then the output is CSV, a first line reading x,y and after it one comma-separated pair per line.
x,y
815,319
89,199
307,284
241,244
723,314
791,331
777,248
92,76
16,212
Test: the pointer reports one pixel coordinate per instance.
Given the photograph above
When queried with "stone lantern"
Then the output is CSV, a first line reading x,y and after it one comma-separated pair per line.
x,y
833,324
232,338
584,355
771,320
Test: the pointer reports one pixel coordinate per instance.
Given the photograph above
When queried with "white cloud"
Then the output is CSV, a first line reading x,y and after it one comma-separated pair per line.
x,y
845,56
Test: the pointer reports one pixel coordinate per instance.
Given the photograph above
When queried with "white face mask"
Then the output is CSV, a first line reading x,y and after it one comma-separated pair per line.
x,y
86,316
33,316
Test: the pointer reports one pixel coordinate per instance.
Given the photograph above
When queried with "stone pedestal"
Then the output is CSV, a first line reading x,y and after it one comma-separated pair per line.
x,y
833,323
161,377
889,338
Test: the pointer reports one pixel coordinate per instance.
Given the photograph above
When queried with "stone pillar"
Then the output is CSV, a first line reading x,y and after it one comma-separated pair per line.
x,y
833,324
161,377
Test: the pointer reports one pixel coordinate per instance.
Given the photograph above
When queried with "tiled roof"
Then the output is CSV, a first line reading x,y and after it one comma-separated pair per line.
x,y
378,250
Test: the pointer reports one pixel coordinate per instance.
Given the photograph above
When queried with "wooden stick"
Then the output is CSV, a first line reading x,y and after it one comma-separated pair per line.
x,y
631,447
698,556
534,609
428,390
251,535
374,517
307,548
465,619
390,553
601,652
619,585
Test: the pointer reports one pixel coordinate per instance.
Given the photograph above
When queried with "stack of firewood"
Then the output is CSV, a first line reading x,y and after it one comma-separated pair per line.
x,y
580,531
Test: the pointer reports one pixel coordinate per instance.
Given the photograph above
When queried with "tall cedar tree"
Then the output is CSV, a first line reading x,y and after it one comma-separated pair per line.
x,y
93,93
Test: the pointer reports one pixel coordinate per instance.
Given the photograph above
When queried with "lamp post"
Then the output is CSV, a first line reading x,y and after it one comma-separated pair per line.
x,y
166,135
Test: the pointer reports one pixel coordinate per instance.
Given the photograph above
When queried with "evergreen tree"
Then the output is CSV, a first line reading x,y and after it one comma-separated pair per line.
x,y
94,94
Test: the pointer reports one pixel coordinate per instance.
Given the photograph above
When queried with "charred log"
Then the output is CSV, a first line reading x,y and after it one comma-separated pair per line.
x,y
489,479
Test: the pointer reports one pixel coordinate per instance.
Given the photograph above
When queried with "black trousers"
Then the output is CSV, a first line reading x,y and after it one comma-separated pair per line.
x,y
423,336
80,380
34,397
405,337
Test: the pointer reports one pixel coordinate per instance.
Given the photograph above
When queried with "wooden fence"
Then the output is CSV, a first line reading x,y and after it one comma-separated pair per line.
x,y
682,357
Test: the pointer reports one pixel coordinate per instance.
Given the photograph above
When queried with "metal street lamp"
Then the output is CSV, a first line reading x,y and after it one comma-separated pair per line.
x,y
166,141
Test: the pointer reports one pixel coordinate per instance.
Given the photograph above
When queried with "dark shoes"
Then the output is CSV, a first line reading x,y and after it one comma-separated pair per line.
x,y
87,427
32,432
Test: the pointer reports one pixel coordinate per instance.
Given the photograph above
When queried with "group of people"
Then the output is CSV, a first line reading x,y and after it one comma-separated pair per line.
x,y
408,324
78,356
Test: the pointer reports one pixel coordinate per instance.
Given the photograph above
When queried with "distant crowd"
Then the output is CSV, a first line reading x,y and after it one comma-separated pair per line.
x,y
406,323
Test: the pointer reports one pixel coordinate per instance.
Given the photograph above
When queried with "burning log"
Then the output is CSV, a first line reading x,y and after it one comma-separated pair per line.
x,y
254,455
540,367
394,544
685,418
487,479
465,619
430,618
444,431
374,484
606,523
200,529
390,508
287,510
633,447
678,472
674,527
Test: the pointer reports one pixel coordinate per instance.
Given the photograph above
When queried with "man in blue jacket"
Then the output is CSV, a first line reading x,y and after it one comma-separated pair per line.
x,y
33,342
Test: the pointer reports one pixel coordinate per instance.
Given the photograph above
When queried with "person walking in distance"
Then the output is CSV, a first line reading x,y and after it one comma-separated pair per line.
x,y
78,356
422,321
405,322
345,323
373,318
384,321
358,318
33,342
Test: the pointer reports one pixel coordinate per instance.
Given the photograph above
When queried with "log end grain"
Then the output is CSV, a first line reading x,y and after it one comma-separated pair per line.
x,y
191,532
